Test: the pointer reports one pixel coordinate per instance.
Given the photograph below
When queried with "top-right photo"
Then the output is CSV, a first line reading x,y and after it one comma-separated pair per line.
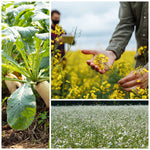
x,y
99,50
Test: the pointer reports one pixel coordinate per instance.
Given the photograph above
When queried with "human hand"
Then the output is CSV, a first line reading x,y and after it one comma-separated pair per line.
x,y
111,58
135,79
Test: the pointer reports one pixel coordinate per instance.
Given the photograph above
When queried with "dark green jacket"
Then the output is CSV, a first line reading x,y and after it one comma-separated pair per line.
x,y
132,15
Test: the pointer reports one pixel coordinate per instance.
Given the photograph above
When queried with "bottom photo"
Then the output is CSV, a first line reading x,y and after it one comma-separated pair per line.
x,y
99,124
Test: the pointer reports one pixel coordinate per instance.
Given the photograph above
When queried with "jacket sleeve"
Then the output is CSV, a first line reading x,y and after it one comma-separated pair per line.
x,y
123,31
147,66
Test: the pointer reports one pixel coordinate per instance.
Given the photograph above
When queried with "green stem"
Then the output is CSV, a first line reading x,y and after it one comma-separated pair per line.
x,y
13,79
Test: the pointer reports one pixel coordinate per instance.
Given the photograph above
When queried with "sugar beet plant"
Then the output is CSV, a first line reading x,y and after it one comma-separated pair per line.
x,y
25,51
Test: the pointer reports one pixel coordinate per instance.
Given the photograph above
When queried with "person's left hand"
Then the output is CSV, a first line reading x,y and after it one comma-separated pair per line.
x,y
135,79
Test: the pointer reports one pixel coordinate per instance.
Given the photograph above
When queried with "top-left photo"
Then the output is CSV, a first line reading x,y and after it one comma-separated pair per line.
x,y
25,74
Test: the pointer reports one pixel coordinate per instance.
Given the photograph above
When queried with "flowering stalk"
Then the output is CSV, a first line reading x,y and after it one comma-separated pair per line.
x,y
59,31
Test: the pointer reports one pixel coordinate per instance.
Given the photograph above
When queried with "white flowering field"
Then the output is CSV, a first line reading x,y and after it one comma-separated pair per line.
x,y
99,126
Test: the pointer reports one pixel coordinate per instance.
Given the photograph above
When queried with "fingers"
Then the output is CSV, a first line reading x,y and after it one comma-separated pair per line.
x,y
94,52
95,67
130,89
132,81
128,84
126,79
90,61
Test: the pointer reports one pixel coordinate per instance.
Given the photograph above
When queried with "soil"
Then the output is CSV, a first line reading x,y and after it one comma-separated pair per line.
x,y
36,136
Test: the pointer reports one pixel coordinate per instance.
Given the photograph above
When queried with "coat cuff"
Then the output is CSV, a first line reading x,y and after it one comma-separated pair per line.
x,y
146,66
118,52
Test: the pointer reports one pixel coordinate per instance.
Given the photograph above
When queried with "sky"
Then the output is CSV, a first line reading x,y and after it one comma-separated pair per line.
x,y
95,22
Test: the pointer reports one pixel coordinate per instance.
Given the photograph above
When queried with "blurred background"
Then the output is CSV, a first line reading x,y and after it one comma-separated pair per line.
x,y
96,22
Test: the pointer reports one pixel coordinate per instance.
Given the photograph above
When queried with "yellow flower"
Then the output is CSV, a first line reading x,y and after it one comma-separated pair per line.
x,y
67,81
138,81
144,69
94,96
111,66
116,86
108,85
100,60
135,72
142,49
141,72
52,47
144,97
141,91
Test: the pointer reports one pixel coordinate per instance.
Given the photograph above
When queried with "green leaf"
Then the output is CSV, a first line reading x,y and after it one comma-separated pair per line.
x,y
43,36
26,32
39,16
13,79
40,5
27,21
44,63
8,47
21,108
20,48
21,17
9,38
14,65
36,59
12,33
40,121
14,68
16,11
44,55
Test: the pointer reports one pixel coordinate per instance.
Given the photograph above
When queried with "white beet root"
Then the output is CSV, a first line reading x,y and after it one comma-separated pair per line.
x,y
12,85
43,89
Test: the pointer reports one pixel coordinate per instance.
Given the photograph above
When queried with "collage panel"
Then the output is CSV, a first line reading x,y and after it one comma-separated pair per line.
x,y
97,55
99,124
25,74
99,74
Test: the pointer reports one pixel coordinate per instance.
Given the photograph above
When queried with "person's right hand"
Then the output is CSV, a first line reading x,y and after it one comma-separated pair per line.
x,y
110,54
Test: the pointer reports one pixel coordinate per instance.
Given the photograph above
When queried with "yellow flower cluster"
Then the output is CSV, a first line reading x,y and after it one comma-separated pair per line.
x,y
58,30
117,94
139,93
124,68
142,50
78,81
144,69
105,87
100,60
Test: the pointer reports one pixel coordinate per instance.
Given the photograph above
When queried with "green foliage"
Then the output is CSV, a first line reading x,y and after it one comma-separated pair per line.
x,y
25,47
21,107
42,117
99,127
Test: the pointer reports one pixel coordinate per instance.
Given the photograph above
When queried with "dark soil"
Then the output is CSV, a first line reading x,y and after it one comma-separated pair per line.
x,y
36,136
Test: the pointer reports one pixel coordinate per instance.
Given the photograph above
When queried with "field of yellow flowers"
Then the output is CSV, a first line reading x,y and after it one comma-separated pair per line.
x,y
74,79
